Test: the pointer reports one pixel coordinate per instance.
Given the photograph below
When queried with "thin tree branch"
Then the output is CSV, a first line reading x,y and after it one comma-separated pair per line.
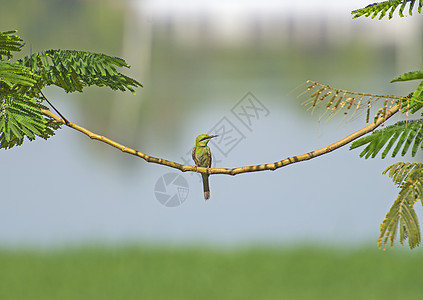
x,y
66,122
271,166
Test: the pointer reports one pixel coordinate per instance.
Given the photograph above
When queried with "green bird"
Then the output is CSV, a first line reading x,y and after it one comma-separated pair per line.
x,y
202,156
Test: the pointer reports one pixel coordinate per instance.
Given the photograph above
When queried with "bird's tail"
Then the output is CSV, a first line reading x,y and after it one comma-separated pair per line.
x,y
206,186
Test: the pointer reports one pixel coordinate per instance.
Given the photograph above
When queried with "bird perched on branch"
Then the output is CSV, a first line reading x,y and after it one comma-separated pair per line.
x,y
202,156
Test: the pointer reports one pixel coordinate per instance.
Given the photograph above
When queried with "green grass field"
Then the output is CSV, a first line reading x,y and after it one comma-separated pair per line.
x,y
155,273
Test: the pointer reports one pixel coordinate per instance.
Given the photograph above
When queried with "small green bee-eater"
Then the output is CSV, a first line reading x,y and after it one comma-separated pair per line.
x,y
202,156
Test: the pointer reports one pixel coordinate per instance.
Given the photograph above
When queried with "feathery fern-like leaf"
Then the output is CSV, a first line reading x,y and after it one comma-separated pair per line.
x,y
9,42
417,94
333,101
20,117
382,9
412,106
402,215
400,172
11,74
409,76
74,70
407,176
402,133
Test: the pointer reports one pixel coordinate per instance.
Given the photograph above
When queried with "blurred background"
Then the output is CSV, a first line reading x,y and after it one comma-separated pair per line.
x,y
200,62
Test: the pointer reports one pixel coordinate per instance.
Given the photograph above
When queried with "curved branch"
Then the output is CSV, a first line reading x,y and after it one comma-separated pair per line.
x,y
271,166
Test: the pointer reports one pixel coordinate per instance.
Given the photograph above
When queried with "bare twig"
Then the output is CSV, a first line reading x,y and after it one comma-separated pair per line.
x,y
66,122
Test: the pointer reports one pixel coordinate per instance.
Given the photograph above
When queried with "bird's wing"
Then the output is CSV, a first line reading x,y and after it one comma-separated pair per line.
x,y
209,155
193,156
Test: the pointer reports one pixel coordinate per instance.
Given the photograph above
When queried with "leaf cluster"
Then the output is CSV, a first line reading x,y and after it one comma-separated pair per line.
x,y
404,134
352,104
409,178
73,70
21,116
21,85
402,137
387,8
9,42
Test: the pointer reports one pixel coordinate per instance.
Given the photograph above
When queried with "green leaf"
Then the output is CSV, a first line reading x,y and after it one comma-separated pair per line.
x,y
416,99
74,70
417,93
21,117
409,76
402,133
402,139
11,74
382,8
9,42
408,176
412,105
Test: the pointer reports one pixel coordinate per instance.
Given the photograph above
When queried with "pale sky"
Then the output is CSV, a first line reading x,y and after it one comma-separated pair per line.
x,y
187,6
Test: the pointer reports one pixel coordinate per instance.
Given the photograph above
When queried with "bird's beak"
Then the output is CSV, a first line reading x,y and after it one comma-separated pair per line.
x,y
213,136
